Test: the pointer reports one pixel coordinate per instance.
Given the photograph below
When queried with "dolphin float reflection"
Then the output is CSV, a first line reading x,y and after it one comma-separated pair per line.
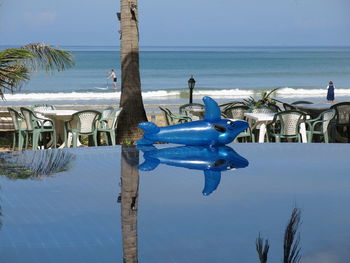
x,y
211,159
211,131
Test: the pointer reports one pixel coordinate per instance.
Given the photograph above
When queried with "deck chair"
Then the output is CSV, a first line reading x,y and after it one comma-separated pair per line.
x,y
172,119
341,124
319,125
108,125
38,128
82,123
187,110
286,125
20,132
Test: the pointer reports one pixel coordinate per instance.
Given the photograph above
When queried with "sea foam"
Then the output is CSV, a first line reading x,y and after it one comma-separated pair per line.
x,y
173,94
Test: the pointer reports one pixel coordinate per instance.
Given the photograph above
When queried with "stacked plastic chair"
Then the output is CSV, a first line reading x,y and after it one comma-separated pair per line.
x,y
20,132
38,127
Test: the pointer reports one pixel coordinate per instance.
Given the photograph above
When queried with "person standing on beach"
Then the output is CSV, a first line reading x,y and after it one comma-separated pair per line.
x,y
113,76
330,92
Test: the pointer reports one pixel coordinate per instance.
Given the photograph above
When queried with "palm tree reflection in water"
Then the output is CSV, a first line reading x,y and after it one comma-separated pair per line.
x,y
129,202
34,164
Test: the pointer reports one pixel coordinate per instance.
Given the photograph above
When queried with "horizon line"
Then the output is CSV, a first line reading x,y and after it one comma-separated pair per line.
x,y
182,46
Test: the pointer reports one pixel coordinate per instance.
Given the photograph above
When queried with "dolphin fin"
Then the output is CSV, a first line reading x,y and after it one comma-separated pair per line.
x,y
146,147
149,164
212,180
212,110
149,127
144,141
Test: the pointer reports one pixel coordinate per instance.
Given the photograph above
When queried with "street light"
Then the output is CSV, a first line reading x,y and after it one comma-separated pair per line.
x,y
191,83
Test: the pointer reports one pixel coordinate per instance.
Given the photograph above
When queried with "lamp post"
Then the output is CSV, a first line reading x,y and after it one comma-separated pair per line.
x,y
191,83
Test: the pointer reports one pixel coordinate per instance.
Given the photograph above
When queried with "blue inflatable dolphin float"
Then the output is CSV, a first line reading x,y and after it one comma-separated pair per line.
x,y
211,131
212,160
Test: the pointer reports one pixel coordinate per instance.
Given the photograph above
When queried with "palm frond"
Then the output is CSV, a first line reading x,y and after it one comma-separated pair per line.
x,y
48,58
12,72
16,64
12,76
272,91
262,249
291,239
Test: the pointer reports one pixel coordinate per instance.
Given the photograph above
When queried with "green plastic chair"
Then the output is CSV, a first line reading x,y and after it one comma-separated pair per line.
x,y
20,129
286,125
108,124
186,110
37,127
320,125
43,107
288,107
301,102
172,119
82,123
340,126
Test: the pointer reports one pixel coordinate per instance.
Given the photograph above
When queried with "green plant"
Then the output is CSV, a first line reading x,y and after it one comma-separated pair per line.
x,y
264,100
128,142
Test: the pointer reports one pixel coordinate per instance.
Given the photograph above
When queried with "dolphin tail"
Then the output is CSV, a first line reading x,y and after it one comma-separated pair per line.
x,y
149,127
149,164
212,180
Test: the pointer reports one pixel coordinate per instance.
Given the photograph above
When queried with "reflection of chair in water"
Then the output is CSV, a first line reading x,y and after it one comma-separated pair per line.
x,y
341,123
38,128
319,125
20,131
190,110
172,119
286,125
82,123
108,124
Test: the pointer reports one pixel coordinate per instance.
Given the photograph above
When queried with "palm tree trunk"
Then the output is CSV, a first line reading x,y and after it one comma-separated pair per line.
x,y
129,202
131,97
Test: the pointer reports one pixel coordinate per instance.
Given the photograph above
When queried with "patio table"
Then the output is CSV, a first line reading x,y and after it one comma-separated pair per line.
x,y
59,117
262,119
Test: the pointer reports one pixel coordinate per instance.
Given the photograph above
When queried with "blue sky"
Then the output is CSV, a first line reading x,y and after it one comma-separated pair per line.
x,y
180,22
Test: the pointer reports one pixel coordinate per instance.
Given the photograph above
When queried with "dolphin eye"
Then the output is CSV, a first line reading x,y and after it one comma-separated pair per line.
x,y
219,128
231,123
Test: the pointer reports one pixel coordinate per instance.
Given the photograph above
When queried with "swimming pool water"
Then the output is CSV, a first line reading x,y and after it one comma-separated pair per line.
x,y
163,216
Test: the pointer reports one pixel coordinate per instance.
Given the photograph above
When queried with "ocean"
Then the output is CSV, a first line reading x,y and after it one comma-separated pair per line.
x,y
224,73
